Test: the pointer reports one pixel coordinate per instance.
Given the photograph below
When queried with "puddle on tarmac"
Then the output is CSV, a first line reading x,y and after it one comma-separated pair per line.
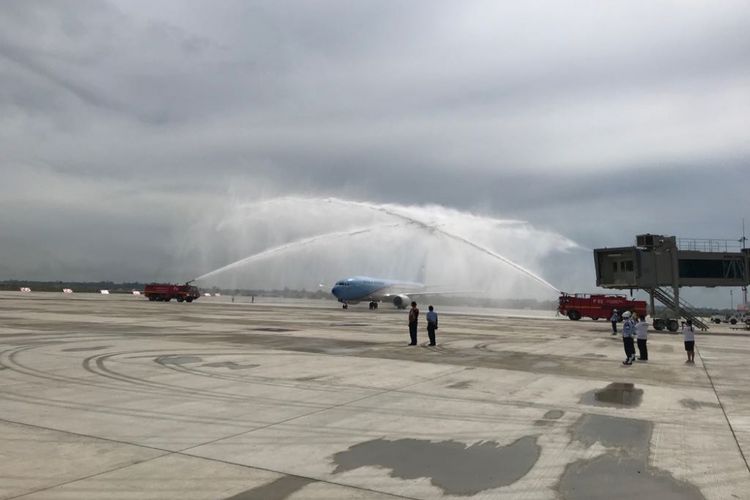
x,y
627,434
276,490
81,349
623,471
550,417
465,384
615,477
554,414
229,364
696,405
454,467
173,359
617,394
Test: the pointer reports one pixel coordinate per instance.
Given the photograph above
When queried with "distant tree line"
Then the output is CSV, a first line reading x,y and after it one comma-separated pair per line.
x,y
76,286
451,300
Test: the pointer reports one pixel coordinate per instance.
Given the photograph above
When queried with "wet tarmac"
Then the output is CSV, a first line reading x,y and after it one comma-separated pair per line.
x,y
616,394
455,468
117,397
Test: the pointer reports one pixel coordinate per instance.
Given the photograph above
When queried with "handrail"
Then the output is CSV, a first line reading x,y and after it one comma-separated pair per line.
x,y
709,245
681,306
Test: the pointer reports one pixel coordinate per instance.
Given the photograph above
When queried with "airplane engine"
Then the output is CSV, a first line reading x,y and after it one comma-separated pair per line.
x,y
401,301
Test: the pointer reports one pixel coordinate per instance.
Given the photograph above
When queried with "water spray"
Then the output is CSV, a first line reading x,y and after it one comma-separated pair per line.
x,y
437,229
443,232
294,245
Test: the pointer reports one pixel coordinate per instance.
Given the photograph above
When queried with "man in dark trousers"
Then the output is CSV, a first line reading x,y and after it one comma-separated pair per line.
x,y
432,324
628,332
614,319
413,318
641,336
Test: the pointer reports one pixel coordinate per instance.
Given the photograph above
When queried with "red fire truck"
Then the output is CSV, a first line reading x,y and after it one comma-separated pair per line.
x,y
164,292
575,306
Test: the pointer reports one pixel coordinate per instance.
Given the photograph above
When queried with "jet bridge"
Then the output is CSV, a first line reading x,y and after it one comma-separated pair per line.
x,y
659,263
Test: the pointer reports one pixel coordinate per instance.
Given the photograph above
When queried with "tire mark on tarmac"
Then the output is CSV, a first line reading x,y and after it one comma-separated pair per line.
x,y
131,387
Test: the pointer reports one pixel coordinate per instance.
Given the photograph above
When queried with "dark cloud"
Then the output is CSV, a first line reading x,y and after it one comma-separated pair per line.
x,y
597,121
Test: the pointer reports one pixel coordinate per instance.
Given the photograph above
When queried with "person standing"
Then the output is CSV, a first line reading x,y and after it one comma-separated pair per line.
x,y
688,335
641,335
413,318
627,338
614,319
432,324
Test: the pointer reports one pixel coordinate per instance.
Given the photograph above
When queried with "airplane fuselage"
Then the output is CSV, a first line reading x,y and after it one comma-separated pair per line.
x,y
360,288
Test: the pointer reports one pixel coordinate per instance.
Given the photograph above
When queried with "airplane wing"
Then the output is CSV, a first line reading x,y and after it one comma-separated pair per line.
x,y
388,296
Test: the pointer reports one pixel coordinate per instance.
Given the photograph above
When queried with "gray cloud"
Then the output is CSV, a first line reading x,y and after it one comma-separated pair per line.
x,y
135,119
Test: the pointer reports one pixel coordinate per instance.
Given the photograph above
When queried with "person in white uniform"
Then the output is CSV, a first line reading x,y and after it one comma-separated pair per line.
x,y
628,332
641,336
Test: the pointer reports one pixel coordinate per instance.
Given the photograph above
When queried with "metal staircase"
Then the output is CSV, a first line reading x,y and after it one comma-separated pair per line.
x,y
682,307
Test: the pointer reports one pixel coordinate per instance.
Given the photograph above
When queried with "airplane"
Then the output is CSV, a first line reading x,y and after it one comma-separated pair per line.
x,y
357,289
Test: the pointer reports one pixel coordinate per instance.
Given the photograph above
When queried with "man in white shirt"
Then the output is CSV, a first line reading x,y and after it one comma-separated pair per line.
x,y
641,335
688,335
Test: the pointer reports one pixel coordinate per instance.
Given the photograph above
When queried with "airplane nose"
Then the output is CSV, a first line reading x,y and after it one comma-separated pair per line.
x,y
335,291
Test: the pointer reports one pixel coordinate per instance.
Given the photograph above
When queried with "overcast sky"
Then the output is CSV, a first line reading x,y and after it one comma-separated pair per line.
x,y
124,125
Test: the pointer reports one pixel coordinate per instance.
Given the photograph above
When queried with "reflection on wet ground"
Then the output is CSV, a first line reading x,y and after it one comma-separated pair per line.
x,y
617,394
177,360
696,405
624,468
277,490
454,467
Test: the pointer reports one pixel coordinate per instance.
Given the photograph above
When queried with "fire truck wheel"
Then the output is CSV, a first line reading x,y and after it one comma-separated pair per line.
x,y
189,300
180,299
574,315
595,319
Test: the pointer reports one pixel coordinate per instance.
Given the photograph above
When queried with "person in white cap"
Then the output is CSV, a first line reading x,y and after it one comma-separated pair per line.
x,y
628,330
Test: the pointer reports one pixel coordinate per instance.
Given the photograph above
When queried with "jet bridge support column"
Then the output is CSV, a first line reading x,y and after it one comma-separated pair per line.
x,y
675,279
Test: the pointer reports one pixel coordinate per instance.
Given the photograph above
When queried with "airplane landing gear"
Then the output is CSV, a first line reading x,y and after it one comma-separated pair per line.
x,y
373,305
345,306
